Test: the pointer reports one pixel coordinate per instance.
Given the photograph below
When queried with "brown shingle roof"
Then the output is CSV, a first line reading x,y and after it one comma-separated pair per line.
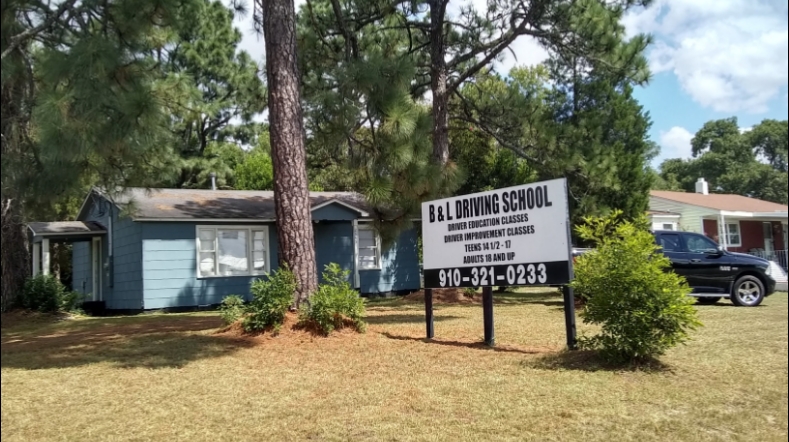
x,y
731,203
185,204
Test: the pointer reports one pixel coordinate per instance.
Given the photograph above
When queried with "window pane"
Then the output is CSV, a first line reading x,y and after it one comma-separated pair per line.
x,y
368,262
668,226
207,239
259,261
232,253
258,245
206,264
259,235
669,243
698,243
366,238
734,228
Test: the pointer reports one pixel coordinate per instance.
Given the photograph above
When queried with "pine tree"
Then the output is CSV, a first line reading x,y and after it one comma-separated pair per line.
x,y
291,188
81,104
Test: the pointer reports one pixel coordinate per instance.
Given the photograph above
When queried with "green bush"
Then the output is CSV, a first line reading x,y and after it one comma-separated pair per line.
x,y
642,307
232,309
335,303
46,294
271,298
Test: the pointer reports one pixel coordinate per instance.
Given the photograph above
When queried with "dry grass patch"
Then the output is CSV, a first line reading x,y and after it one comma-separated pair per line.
x,y
176,377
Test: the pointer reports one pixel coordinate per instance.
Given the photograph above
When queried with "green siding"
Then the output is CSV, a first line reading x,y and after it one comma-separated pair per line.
x,y
399,268
170,268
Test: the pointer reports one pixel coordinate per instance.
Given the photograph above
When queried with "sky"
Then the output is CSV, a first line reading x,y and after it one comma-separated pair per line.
x,y
711,59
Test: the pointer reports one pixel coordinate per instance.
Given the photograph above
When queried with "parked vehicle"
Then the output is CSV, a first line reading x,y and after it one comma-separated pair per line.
x,y
712,272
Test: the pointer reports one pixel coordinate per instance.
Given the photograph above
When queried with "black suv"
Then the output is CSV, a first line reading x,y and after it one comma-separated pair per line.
x,y
714,273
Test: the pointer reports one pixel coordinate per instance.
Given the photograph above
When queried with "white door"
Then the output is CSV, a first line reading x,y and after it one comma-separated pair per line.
x,y
95,254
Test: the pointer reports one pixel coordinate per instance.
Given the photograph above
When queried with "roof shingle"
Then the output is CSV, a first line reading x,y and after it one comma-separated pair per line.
x,y
185,204
726,202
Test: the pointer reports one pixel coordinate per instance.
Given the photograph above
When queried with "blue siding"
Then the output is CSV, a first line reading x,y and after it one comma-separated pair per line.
x,y
170,268
127,288
399,268
121,276
334,212
334,243
81,280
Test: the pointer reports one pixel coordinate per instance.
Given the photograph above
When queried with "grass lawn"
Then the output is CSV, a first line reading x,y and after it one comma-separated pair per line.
x,y
173,377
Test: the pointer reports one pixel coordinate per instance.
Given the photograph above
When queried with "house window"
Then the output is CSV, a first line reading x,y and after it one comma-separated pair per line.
x,y
733,238
668,226
368,256
232,251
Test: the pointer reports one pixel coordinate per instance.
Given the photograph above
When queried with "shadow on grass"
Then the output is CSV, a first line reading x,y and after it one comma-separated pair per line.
x,y
591,361
161,342
547,298
404,319
471,345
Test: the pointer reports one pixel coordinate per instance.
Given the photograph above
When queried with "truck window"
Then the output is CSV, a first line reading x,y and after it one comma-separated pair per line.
x,y
669,242
699,244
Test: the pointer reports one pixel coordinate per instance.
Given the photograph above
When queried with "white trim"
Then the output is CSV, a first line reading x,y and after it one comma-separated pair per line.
x,y
36,259
726,234
250,244
45,261
737,214
336,201
356,279
377,246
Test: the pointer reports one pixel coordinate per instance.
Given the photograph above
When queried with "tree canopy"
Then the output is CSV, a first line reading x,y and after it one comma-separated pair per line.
x,y
734,160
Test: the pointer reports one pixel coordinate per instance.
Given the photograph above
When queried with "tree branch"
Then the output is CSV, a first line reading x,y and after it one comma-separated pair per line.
x,y
17,40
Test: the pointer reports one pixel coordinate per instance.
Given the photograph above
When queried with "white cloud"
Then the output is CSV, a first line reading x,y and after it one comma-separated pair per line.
x,y
676,143
728,55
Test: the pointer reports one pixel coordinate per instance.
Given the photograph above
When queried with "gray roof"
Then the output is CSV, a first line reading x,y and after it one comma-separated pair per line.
x,y
66,228
186,204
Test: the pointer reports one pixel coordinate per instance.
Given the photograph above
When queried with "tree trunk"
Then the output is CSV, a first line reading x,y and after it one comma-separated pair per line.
x,y
291,188
439,77
13,253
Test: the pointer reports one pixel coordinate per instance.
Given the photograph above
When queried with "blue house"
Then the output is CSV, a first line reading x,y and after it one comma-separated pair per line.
x,y
176,248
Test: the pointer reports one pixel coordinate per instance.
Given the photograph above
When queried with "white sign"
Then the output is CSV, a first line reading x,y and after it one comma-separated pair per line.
x,y
504,237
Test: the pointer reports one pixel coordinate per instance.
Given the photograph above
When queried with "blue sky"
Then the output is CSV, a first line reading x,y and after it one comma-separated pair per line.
x,y
711,59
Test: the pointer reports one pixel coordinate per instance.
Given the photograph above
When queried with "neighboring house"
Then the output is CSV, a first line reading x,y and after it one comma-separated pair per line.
x,y
186,248
738,223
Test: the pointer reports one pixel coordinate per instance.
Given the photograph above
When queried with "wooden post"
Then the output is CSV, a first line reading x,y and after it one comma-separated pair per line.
x,y
429,313
45,262
36,259
487,313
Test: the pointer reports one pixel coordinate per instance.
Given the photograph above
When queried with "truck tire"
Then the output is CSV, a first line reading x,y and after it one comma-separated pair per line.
x,y
748,291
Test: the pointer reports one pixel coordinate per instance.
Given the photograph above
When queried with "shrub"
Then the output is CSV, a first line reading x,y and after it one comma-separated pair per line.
x,y
643,308
271,298
232,309
46,294
335,303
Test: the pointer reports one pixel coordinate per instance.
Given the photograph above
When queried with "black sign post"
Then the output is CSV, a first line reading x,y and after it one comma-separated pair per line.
x,y
487,314
429,313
